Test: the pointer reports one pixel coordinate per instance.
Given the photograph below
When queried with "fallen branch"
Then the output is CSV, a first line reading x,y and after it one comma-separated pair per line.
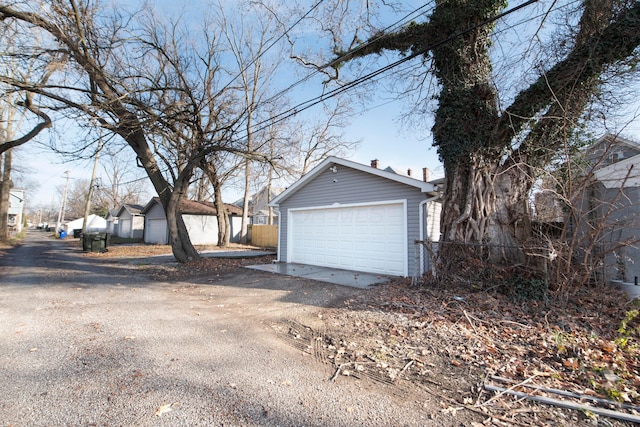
x,y
470,322
440,394
564,404
506,390
338,369
409,363
570,394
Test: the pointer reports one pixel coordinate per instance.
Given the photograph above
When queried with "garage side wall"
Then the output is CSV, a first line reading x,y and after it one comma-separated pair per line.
x,y
349,186
202,229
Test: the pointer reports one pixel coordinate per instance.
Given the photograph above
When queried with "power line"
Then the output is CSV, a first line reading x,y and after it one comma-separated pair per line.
x,y
334,92
337,91
399,23
272,44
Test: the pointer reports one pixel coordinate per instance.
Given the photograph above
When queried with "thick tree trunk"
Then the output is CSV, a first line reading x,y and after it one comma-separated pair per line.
x,y
223,219
181,246
5,193
224,228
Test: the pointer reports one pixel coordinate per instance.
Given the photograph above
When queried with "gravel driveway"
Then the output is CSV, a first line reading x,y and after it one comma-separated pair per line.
x,y
97,342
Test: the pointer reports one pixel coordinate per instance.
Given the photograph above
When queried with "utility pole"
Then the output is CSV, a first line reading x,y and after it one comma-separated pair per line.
x,y
87,205
64,202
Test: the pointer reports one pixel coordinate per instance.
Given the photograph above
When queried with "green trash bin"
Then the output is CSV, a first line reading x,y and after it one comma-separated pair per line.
x,y
95,242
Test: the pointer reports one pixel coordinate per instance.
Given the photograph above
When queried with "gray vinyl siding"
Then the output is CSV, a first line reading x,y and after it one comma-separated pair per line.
x,y
350,186
622,233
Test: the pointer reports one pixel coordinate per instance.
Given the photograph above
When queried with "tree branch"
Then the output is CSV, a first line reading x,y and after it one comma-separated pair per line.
x,y
44,124
587,61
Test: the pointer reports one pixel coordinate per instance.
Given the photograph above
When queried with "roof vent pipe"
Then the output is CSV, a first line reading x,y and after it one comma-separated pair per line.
x,y
409,172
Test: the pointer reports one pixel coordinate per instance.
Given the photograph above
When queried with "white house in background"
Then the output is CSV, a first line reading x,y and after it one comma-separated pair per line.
x,y
112,221
200,218
130,222
351,216
95,224
15,218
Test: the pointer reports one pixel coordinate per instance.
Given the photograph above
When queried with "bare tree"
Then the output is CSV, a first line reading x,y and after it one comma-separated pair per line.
x,y
119,182
13,112
149,84
315,140
251,44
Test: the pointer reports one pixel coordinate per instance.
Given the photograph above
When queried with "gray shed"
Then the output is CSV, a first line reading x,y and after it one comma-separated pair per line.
x,y
351,216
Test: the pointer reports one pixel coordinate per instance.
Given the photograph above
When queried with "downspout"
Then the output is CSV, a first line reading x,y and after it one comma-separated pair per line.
x,y
423,218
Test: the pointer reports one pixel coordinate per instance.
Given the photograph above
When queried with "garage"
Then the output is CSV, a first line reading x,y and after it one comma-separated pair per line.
x,y
368,238
350,216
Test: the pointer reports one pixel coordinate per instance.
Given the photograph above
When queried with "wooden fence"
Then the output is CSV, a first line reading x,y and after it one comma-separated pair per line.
x,y
265,236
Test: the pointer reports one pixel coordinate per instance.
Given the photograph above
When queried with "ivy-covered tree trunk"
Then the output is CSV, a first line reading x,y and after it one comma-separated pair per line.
x,y
485,210
482,204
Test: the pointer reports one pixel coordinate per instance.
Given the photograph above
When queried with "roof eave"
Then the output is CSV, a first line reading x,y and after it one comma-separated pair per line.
x,y
425,187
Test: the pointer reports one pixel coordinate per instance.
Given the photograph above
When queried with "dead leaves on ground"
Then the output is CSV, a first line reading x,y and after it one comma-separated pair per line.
x,y
450,333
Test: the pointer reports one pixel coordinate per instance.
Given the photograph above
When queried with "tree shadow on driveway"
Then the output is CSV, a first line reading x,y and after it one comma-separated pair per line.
x,y
43,261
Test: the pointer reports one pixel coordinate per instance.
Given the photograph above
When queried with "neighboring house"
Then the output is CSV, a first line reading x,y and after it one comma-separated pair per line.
x,y
15,217
259,209
613,205
130,222
200,218
112,221
350,216
95,223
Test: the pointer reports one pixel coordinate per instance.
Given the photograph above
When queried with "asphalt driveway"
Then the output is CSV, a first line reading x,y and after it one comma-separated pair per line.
x,y
97,342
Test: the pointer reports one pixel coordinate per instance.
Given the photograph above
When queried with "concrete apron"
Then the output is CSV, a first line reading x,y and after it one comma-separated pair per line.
x,y
631,289
324,274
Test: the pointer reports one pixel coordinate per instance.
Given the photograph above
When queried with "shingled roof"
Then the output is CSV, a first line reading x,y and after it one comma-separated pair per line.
x,y
194,207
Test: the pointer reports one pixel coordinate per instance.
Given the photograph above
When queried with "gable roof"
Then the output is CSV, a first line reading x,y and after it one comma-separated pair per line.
x,y
609,144
112,213
425,187
623,173
618,140
258,194
133,209
194,207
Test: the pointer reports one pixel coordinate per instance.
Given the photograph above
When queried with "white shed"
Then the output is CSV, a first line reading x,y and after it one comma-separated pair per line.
x,y
200,218
130,222
95,223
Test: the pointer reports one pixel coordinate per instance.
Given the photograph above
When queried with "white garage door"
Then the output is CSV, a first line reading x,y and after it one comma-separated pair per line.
x,y
124,226
157,231
368,238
